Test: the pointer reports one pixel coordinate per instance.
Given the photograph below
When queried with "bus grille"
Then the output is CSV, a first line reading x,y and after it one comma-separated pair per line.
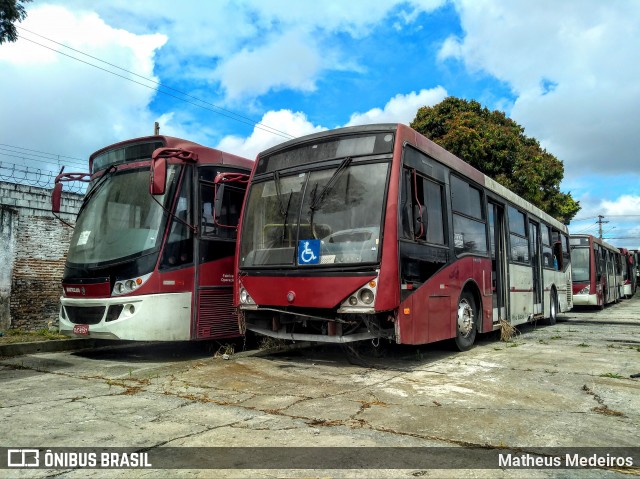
x,y
216,314
569,293
85,314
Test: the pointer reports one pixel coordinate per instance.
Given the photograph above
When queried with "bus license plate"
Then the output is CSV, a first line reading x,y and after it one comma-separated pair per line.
x,y
81,329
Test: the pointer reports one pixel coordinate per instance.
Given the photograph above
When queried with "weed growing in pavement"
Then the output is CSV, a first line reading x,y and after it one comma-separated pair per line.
x,y
612,375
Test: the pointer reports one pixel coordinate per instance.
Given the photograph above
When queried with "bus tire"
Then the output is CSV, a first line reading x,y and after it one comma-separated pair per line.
x,y
466,321
553,308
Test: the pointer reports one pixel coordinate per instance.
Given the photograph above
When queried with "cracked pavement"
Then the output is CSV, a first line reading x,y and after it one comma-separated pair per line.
x,y
565,385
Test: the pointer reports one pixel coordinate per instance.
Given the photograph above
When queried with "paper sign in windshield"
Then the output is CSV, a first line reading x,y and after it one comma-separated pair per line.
x,y
83,238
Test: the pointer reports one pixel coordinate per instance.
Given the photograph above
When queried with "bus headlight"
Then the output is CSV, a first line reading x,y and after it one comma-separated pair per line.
x,y
361,300
125,286
245,298
584,290
366,296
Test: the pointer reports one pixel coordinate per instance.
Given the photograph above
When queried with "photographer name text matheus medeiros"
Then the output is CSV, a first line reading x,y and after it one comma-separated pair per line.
x,y
568,460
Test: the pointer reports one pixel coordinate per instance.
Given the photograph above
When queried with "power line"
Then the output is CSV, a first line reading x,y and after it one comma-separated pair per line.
x,y
216,109
49,161
43,152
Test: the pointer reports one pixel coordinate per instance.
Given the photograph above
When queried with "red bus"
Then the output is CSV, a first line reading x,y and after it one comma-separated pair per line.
x,y
595,271
629,272
151,255
376,232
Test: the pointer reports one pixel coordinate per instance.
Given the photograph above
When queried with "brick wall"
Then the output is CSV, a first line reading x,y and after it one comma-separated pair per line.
x,y
38,245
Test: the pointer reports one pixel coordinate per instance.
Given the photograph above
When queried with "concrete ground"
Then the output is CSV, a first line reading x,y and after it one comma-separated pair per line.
x,y
567,385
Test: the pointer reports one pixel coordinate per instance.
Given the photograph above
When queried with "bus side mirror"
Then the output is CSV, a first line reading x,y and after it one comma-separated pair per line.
x,y
419,221
217,202
158,178
56,197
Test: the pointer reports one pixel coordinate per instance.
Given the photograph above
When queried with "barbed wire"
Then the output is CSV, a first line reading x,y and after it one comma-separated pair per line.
x,y
30,176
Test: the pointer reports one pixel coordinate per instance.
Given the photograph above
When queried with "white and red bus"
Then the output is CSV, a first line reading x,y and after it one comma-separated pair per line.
x,y
595,265
629,280
151,256
376,232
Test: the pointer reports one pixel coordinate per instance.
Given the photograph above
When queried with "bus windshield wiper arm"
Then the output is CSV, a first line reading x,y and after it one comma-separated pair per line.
x,y
284,211
317,200
101,181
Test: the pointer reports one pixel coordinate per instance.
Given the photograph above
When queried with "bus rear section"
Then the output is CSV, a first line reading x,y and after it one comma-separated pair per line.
x,y
149,258
628,266
376,232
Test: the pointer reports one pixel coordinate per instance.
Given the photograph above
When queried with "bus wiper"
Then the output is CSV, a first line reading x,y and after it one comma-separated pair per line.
x,y
284,211
317,200
98,184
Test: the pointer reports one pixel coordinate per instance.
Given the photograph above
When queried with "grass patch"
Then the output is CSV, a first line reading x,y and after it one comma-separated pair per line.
x,y
612,375
556,337
21,336
583,345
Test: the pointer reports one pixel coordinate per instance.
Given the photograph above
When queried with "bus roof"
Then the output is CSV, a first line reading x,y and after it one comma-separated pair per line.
x,y
205,154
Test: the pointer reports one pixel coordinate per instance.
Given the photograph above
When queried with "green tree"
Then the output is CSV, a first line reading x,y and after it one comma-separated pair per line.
x,y
11,11
497,146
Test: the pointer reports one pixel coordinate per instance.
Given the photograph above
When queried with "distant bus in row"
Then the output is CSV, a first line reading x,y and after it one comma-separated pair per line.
x,y
600,271
373,232
151,256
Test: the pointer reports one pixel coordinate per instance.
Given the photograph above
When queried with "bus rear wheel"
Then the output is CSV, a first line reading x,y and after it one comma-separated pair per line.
x,y
466,321
553,309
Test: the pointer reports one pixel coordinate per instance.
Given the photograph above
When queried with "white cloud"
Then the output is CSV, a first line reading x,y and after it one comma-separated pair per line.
x,y
252,46
401,108
290,61
64,106
622,206
294,124
572,66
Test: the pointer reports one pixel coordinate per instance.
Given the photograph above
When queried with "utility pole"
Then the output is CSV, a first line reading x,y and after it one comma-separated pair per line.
x,y
600,223
156,128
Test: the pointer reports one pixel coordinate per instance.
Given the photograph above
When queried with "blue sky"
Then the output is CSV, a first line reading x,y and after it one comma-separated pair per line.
x,y
566,71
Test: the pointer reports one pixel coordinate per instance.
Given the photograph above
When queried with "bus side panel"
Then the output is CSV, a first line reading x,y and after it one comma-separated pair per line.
x,y
433,306
216,316
520,293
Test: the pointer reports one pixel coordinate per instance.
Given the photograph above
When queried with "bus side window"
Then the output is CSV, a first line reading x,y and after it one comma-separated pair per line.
x,y
557,251
178,249
566,253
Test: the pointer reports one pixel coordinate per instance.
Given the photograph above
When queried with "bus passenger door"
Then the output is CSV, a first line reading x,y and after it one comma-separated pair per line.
x,y
499,282
536,264
219,215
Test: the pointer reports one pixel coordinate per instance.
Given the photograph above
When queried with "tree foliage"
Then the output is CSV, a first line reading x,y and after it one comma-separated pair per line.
x,y
497,146
11,11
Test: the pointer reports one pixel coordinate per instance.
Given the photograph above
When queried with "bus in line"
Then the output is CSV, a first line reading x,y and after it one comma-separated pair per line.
x,y
152,254
629,272
596,271
371,232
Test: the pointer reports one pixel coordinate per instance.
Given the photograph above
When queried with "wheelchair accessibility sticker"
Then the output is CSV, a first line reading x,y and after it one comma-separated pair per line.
x,y
308,251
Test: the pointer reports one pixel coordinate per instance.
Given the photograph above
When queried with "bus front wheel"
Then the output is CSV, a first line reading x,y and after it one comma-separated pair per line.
x,y
466,321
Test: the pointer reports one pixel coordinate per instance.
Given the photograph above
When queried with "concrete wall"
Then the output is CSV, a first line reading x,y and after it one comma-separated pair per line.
x,y
33,250
8,217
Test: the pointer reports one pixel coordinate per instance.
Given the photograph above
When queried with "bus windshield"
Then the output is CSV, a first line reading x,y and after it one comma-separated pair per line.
x,y
580,265
120,220
318,217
